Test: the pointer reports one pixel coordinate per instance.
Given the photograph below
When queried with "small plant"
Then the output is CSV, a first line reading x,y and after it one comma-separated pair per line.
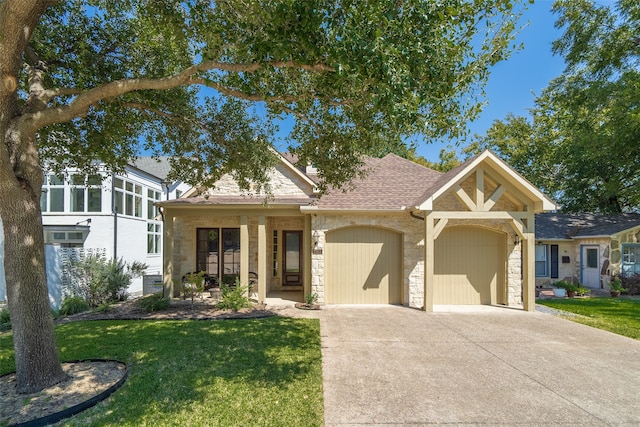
x,y
568,286
193,285
616,286
234,297
73,305
311,298
103,308
154,302
5,320
581,290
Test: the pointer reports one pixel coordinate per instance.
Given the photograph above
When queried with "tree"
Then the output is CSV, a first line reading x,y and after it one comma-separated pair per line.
x,y
580,144
100,80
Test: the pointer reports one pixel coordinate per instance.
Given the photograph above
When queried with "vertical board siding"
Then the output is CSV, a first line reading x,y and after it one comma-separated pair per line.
x,y
363,266
470,266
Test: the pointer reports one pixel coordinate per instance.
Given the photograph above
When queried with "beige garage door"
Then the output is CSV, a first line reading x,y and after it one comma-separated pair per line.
x,y
363,266
470,266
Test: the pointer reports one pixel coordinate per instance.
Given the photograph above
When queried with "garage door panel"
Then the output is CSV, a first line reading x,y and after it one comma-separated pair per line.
x,y
469,266
362,266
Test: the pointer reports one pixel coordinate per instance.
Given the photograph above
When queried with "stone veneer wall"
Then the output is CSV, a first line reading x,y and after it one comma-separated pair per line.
x,y
282,181
628,236
412,231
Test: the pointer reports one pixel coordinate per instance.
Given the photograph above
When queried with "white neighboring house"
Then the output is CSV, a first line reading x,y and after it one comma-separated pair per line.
x,y
114,216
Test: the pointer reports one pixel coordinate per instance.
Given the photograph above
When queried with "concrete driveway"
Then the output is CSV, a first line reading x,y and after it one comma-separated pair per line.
x,y
487,366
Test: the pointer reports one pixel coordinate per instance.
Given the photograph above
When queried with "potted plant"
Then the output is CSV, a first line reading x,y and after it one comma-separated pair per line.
x,y
616,287
559,288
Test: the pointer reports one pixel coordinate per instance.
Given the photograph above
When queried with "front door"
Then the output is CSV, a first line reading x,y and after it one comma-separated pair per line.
x,y
292,263
591,267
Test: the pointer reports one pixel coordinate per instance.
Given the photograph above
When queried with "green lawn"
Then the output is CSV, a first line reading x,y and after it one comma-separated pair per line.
x,y
265,372
617,315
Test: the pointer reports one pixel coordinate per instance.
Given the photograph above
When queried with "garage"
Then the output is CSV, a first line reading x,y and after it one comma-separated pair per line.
x,y
470,266
363,266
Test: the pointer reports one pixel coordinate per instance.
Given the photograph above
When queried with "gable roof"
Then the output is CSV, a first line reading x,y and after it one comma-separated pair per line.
x,y
454,176
555,226
155,166
391,183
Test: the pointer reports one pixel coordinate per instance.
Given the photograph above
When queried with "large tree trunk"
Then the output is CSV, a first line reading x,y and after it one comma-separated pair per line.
x,y
36,355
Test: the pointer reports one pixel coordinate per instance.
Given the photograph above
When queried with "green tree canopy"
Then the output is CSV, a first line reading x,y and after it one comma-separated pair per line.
x,y
581,143
84,80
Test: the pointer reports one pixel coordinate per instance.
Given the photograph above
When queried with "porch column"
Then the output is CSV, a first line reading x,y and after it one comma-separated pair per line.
x,y
167,253
429,246
244,250
529,268
307,244
262,259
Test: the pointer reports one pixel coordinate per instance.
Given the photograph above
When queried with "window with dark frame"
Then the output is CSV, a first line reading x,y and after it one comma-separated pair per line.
x,y
218,253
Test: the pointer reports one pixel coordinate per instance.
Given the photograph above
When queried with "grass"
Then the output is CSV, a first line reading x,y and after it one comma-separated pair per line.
x,y
618,315
265,372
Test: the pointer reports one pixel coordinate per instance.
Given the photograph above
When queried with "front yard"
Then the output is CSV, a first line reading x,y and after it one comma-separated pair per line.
x,y
618,315
265,372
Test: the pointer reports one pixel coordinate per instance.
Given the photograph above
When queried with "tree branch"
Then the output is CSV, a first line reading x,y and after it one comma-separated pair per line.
x,y
86,99
150,110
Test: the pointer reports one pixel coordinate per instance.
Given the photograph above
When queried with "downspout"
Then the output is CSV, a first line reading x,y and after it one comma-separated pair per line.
x,y
114,211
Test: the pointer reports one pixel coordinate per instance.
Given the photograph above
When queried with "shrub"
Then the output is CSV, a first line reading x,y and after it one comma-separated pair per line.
x,y
632,284
234,297
5,320
311,298
73,305
154,302
101,281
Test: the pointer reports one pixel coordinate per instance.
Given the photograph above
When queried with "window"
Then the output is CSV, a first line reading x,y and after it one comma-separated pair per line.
x,y
52,195
154,237
86,193
542,261
630,259
152,210
127,197
275,253
218,253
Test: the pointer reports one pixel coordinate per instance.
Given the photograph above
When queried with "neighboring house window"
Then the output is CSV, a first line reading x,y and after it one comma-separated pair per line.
x,y
218,253
542,264
128,197
178,194
154,237
630,259
152,210
86,193
52,195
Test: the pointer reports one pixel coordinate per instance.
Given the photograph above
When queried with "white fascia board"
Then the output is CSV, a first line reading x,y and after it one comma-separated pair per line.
x,y
295,170
315,209
497,163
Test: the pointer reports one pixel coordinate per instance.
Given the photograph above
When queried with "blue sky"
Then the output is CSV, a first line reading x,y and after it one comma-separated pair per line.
x,y
513,83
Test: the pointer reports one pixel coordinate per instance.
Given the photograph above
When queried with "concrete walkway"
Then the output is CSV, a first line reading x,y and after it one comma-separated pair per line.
x,y
486,366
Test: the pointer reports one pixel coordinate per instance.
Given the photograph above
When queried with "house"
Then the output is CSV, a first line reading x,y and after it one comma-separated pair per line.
x,y
586,248
403,234
113,215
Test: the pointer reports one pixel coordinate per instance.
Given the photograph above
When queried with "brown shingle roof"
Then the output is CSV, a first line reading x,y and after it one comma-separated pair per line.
x,y
391,183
